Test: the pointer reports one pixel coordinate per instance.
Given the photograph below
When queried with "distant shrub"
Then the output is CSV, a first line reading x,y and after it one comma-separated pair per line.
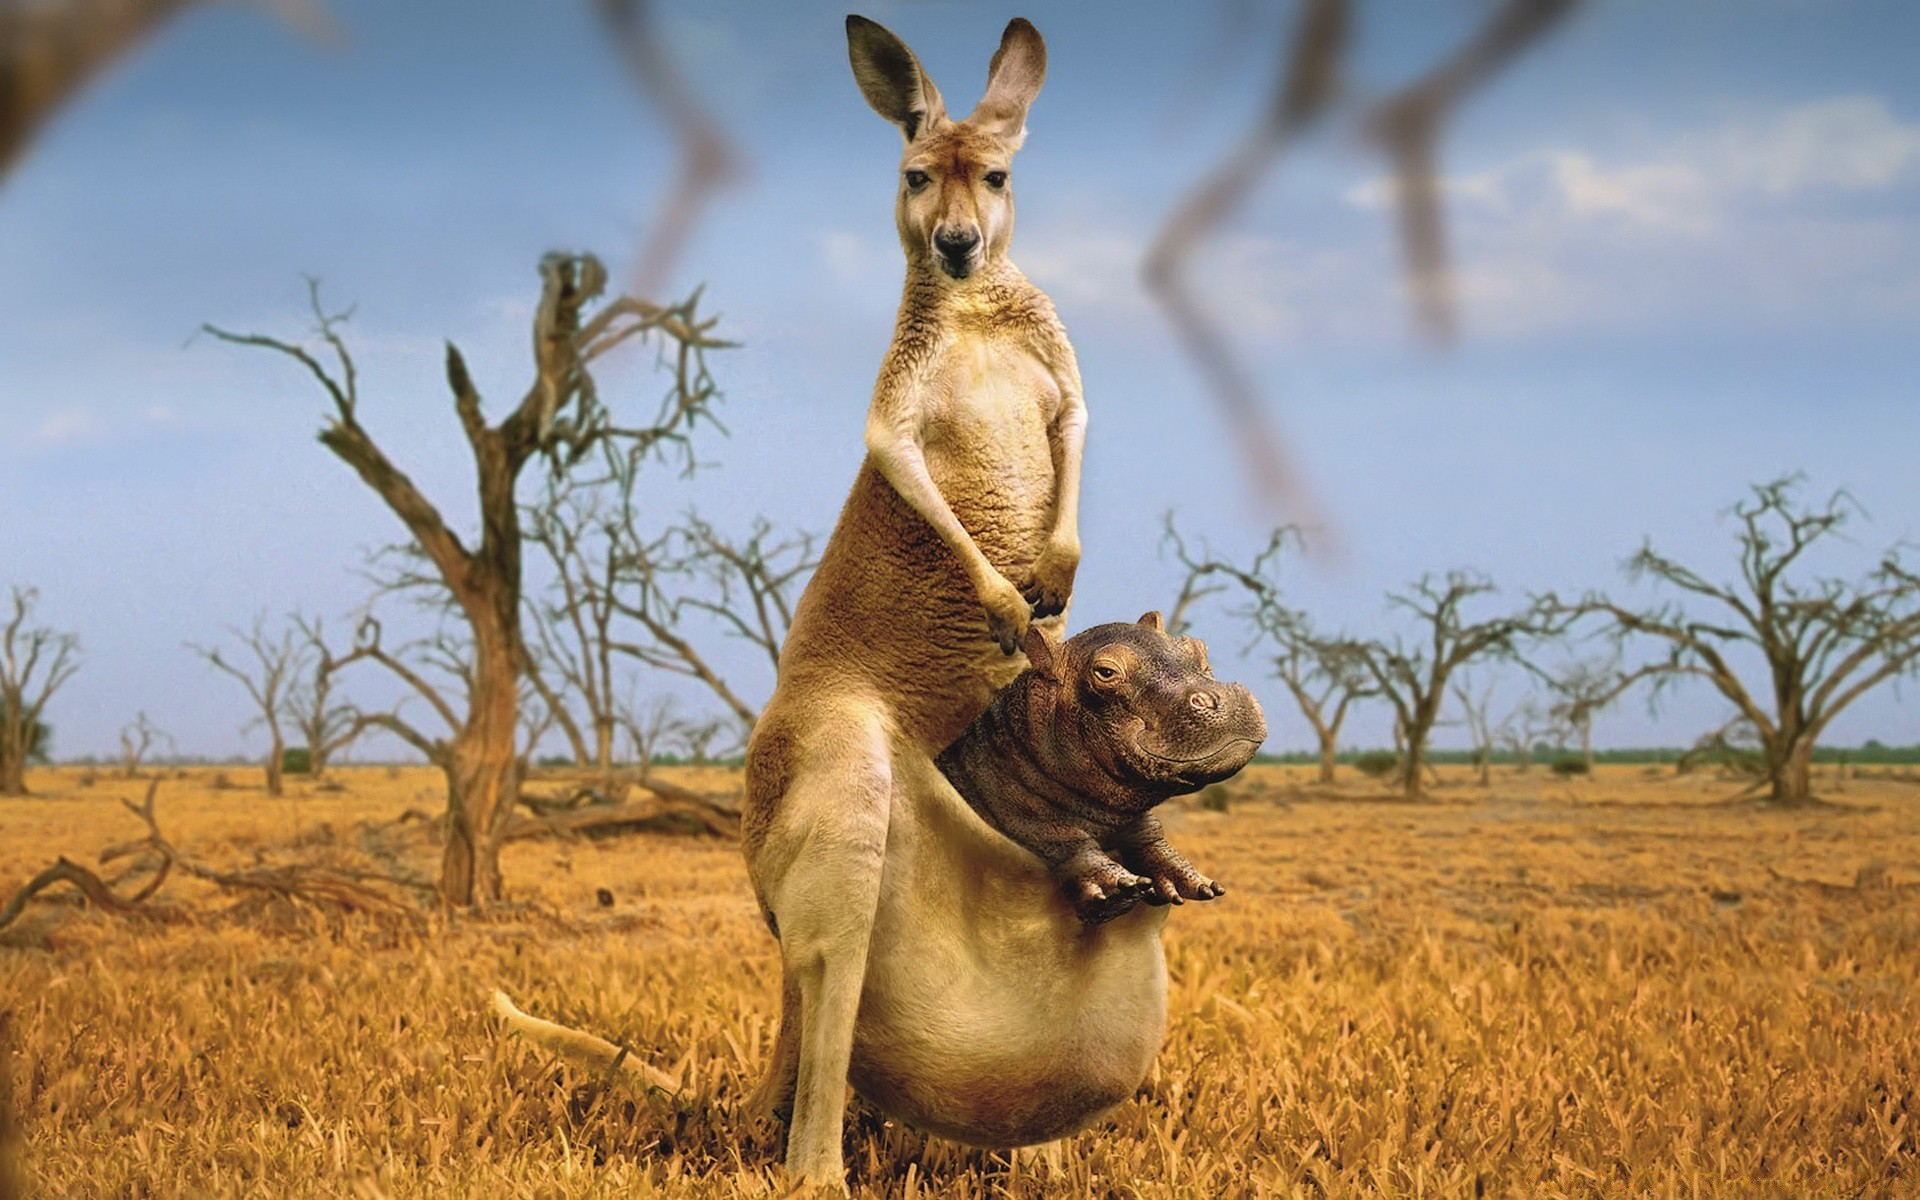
x,y
296,760
88,778
1215,798
1376,764
220,782
1569,766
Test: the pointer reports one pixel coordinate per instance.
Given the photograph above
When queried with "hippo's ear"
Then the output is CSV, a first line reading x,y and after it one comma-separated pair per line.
x,y
1041,654
1154,621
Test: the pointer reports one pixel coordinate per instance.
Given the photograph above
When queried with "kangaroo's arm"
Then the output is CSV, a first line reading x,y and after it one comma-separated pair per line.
x,y
1067,436
894,444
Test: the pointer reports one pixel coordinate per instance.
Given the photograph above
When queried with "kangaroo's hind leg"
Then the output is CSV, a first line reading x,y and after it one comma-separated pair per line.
x,y
827,849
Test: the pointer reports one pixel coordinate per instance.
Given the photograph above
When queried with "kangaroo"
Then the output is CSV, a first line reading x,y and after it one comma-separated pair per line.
x,y
988,1009
961,530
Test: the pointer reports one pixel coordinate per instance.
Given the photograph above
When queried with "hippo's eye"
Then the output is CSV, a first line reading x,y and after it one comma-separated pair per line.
x,y
1105,673
916,180
996,179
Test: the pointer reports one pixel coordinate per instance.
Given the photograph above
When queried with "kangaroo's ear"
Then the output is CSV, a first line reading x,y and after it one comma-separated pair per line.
x,y
1154,621
891,79
1013,80
1040,653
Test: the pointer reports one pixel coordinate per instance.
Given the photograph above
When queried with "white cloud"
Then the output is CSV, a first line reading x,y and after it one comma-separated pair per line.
x,y
1668,196
71,424
1684,184
1847,142
1486,189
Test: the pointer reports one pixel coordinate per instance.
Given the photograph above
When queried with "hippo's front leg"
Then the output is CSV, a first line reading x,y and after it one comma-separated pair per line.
x,y
1144,848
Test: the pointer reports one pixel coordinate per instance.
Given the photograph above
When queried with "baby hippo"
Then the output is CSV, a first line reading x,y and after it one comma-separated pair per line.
x,y
1071,757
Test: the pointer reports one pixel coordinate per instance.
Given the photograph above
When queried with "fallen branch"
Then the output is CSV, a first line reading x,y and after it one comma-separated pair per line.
x,y
655,813
65,870
294,883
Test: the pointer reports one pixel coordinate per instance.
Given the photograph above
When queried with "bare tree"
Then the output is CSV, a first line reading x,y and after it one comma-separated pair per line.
x,y
268,679
34,662
650,731
560,419
1583,690
1476,707
1522,730
1326,676
1413,676
327,725
1824,642
136,739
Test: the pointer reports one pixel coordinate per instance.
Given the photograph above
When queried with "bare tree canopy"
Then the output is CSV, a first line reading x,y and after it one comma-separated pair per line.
x,y
137,738
1524,727
561,420
266,670
1584,689
34,662
1824,642
1413,674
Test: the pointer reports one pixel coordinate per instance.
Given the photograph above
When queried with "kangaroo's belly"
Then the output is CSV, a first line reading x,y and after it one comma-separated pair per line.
x,y
990,1014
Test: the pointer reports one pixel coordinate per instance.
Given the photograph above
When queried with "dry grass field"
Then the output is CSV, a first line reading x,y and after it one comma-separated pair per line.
x,y
1617,987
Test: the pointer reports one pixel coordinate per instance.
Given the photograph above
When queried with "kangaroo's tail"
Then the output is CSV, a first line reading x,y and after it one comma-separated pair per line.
x,y
582,1047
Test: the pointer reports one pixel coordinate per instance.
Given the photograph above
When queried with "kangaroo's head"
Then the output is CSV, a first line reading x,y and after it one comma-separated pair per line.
x,y
955,200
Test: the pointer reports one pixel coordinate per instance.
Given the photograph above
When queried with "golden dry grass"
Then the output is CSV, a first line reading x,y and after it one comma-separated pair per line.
x,y
1593,988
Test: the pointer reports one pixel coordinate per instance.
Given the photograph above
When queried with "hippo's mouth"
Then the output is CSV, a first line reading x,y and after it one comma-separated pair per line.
x,y
1217,763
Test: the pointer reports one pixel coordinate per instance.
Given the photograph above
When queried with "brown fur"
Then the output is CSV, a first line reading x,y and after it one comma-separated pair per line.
x,y
959,531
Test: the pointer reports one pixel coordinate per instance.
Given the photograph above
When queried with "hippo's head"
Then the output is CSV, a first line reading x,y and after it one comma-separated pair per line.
x,y
1130,712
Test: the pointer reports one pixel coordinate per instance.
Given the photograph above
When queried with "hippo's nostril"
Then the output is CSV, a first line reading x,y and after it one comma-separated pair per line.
x,y
1204,701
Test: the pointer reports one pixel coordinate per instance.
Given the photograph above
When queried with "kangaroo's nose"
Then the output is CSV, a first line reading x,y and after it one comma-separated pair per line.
x,y
956,241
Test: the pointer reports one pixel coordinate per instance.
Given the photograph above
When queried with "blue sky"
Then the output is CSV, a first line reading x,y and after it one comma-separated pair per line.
x,y
1688,239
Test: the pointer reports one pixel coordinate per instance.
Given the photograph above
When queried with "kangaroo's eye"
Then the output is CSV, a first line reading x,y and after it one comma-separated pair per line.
x,y
996,179
916,180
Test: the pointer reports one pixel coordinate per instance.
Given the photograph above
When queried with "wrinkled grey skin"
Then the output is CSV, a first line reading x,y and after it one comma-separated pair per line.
x,y
1072,756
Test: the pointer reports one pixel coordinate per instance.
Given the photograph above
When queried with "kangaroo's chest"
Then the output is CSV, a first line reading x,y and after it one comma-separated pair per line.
x,y
990,405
